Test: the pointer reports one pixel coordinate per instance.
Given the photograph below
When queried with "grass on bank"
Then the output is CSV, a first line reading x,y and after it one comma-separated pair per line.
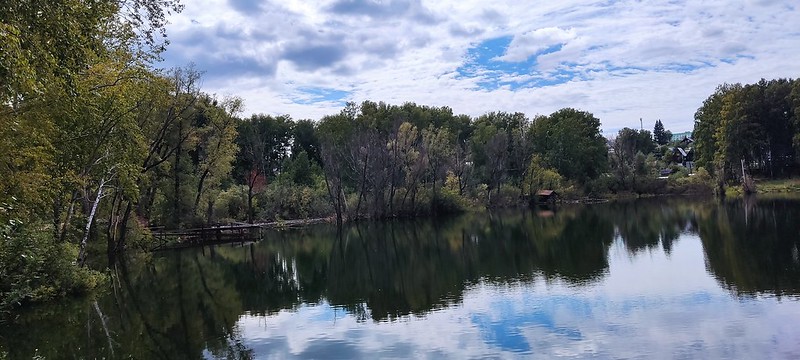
x,y
773,188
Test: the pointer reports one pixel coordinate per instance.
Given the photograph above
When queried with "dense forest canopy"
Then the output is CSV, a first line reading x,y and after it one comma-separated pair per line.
x,y
751,127
99,148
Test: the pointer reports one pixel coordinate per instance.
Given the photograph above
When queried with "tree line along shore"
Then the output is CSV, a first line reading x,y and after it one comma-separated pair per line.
x,y
99,146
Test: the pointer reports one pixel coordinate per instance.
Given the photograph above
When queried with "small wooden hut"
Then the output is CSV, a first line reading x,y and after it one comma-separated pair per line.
x,y
546,196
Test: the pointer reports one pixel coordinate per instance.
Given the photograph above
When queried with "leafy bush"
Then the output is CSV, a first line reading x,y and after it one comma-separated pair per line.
x,y
508,195
651,185
698,183
139,236
33,268
231,204
285,200
679,172
570,192
450,202
599,186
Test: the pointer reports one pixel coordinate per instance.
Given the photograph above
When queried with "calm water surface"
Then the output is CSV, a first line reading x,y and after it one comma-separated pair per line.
x,y
665,278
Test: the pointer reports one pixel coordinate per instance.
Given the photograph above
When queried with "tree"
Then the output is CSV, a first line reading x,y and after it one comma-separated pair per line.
x,y
412,161
170,125
539,176
500,148
778,124
76,112
264,142
748,128
570,141
33,61
628,158
305,139
661,136
335,132
707,119
215,152
438,144
635,141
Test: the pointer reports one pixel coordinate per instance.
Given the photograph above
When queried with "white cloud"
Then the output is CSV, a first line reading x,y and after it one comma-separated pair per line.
x,y
650,60
645,306
530,43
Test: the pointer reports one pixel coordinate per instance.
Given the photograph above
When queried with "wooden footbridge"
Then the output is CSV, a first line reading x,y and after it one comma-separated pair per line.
x,y
223,234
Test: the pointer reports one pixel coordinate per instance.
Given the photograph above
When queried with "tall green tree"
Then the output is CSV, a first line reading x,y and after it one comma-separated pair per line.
x,y
570,141
707,120
661,136
629,158
439,146
50,43
264,142
748,128
74,87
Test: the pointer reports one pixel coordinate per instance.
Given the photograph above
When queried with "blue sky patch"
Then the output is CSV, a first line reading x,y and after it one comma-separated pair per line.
x,y
507,333
482,62
311,95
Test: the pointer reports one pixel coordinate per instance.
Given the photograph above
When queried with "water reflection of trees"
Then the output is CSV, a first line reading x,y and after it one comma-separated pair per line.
x,y
644,224
174,307
393,269
752,247
186,304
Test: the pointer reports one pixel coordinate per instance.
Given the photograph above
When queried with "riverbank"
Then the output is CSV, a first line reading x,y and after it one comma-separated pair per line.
x,y
770,187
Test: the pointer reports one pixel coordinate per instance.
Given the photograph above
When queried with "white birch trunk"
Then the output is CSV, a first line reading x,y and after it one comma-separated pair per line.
x,y
82,253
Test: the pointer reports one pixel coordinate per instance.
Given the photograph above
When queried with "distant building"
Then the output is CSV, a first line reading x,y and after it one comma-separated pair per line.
x,y
684,156
546,196
681,136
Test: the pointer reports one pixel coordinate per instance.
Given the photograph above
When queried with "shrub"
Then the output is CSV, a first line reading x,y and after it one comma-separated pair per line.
x,y
450,202
33,268
698,183
231,204
599,186
679,172
285,200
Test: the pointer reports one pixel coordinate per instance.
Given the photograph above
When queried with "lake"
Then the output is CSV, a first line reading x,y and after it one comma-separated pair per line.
x,y
653,278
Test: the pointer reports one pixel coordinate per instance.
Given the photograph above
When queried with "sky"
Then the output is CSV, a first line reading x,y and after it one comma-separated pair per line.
x,y
620,60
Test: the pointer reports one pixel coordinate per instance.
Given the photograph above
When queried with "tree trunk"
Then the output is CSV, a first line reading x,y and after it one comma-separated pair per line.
x,y
250,214
363,184
176,206
82,252
200,190
70,212
113,218
209,211
123,233
334,200
435,202
146,201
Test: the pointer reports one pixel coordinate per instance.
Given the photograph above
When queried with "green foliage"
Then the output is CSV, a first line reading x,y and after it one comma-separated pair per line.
x,y
635,141
34,269
661,136
599,186
33,61
570,141
631,168
231,204
85,123
539,176
754,123
284,200
450,202
681,173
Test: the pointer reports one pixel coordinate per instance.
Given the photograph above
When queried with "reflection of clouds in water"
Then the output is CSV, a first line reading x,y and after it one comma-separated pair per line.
x,y
636,311
690,325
